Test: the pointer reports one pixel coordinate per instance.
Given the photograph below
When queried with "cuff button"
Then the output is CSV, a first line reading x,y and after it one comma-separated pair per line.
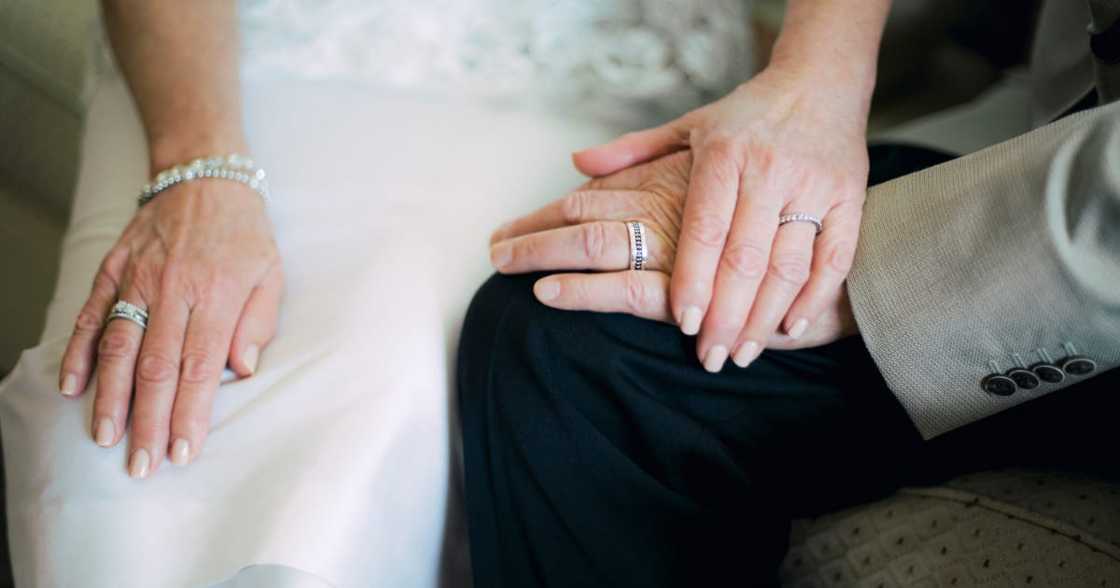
x,y
1024,378
1078,365
998,384
1048,372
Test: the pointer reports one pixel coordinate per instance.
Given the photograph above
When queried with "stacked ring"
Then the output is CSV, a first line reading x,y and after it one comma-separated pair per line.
x,y
130,312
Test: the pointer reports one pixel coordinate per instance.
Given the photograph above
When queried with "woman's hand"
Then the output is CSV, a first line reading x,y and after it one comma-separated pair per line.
x,y
201,259
586,230
781,143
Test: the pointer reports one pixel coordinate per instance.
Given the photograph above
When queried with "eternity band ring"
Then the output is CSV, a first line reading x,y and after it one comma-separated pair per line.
x,y
639,254
800,217
130,312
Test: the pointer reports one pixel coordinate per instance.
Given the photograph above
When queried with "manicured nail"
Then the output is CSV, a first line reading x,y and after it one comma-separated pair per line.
x,y
138,464
251,355
546,290
501,254
717,356
690,320
180,452
104,432
69,385
798,329
746,354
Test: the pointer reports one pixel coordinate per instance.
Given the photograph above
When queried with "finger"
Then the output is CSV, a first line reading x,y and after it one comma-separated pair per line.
x,y
712,192
786,274
257,324
740,272
207,345
631,149
81,350
580,206
157,377
116,365
603,246
643,294
833,253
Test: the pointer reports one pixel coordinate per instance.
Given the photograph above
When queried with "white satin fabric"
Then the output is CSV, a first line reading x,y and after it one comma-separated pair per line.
x,y
333,461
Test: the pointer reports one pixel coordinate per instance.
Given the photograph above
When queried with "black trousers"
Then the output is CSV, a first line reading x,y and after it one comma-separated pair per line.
x,y
598,452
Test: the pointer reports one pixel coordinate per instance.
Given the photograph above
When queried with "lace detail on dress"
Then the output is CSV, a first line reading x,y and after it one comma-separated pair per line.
x,y
668,53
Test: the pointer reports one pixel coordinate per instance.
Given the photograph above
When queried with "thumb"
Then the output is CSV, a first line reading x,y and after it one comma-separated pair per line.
x,y
257,324
632,148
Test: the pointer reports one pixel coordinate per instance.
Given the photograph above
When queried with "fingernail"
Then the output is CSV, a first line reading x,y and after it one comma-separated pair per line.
x,y
717,356
746,354
499,233
546,290
798,329
690,320
69,385
251,355
104,432
500,254
180,452
138,464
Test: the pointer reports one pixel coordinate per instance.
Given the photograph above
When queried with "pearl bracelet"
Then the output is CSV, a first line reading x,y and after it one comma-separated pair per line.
x,y
234,167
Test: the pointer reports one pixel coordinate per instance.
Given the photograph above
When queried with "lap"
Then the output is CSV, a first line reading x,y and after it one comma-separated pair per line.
x,y
334,457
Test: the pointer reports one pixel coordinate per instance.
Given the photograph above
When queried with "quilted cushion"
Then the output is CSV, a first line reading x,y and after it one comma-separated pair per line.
x,y
999,528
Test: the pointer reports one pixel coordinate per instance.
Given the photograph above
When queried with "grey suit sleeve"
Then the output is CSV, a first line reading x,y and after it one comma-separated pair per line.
x,y
984,261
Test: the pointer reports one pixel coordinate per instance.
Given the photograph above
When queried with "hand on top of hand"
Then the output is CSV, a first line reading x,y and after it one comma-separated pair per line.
x,y
778,144
200,258
586,230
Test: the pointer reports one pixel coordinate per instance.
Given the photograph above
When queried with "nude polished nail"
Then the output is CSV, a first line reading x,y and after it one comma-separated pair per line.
x,y
181,452
798,329
69,385
139,463
252,354
690,320
104,432
716,357
746,354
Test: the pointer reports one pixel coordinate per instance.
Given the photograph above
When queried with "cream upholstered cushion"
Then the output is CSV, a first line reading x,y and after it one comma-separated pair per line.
x,y
998,528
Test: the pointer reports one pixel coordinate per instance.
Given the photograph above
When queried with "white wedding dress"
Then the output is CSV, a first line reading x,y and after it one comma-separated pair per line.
x,y
397,135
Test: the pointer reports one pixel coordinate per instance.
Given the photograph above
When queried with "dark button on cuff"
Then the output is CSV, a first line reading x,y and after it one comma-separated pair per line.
x,y
1024,378
1048,372
1078,365
998,384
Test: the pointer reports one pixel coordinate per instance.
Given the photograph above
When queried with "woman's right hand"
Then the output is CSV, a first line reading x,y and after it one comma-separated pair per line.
x,y
201,259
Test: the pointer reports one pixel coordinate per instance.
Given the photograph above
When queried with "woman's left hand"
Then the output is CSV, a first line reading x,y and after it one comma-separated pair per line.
x,y
586,230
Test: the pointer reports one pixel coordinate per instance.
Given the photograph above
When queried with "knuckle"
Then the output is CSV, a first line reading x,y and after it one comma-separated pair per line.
x,y
745,260
594,240
706,229
840,256
722,147
790,269
196,367
156,368
87,322
638,296
574,207
116,345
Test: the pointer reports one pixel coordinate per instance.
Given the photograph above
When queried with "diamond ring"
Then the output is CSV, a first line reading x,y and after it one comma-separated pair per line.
x,y
130,312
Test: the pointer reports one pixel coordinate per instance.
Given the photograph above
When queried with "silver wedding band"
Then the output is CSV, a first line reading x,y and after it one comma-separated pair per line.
x,y
129,312
800,217
638,252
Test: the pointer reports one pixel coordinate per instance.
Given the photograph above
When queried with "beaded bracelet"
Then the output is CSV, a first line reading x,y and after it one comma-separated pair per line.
x,y
234,167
